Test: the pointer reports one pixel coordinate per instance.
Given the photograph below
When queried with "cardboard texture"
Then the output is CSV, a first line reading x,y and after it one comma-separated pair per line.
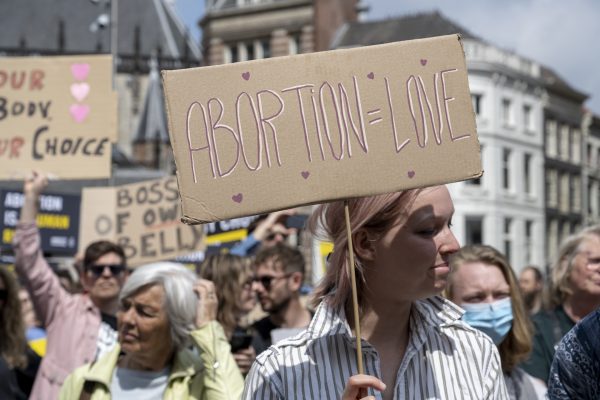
x,y
271,134
57,114
144,218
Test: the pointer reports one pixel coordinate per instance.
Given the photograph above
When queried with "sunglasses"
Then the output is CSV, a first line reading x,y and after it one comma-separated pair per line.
x,y
271,236
3,294
98,269
266,281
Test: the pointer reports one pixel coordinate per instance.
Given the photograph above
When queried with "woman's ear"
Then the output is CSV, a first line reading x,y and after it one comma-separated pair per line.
x,y
364,246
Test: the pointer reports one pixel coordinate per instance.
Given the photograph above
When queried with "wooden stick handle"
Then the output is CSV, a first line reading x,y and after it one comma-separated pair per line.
x,y
352,272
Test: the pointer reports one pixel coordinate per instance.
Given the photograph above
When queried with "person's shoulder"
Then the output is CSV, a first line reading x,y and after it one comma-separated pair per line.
x,y
281,351
460,330
590,322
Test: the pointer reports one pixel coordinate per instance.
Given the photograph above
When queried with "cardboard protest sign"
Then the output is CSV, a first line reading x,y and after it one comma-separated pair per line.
x,y
271,134
57,114
144,218
58,220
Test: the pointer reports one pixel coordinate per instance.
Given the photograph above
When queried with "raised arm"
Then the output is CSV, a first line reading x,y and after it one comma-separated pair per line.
x,y
44,287
222,377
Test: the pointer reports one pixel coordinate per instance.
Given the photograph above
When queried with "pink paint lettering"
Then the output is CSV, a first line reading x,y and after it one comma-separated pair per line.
x,y
11,148
27,80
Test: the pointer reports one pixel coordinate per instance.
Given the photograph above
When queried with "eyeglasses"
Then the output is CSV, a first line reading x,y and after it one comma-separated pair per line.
x,y
98,269
3,294
271,236
592,262
267,280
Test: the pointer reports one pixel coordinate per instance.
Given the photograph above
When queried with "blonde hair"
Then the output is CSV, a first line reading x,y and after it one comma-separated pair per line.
x,y
561,270
517,344
229,273
13,345
375,215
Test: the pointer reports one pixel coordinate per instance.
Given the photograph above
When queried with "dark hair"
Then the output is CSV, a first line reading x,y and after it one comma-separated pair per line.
x,y
290,259
13,345
537,273
97,249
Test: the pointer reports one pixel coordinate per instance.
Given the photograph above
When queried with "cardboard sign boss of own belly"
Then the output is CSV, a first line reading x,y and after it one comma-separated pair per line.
x,y
270,134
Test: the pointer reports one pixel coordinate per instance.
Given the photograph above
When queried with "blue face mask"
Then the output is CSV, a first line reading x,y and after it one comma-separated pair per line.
x,y
493,319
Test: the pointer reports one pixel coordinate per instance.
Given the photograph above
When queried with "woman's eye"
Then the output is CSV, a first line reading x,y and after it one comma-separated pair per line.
x,y
427,232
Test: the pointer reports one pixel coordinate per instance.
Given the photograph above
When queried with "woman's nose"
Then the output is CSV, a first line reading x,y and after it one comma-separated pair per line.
x,y
450,243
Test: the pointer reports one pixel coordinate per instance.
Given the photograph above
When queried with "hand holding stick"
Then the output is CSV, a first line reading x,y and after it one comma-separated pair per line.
x,y
358,384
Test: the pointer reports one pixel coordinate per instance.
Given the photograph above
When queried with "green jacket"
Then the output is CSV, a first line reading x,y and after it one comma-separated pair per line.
x,y
192,377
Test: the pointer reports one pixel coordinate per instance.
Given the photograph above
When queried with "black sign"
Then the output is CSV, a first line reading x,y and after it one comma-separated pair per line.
x,y
58,220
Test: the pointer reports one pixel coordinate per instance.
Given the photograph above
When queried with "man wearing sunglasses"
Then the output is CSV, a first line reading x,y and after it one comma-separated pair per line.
x,y
79,327
279,274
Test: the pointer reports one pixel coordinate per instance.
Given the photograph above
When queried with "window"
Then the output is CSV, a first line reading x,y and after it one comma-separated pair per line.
x,y
249,48
506,169
527,173
508,238
265,46
231,53
565,231
575,146
576,193
563,200
294,44
507,118
553,239
551,139
591,198
527,118
474,230
476,100
552,188
528,241
564,136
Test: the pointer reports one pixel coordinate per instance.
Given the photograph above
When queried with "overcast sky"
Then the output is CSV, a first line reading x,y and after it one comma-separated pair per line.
x,y
563,35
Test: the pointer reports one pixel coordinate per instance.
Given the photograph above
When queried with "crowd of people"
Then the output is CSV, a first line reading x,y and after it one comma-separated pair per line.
x,y
437,320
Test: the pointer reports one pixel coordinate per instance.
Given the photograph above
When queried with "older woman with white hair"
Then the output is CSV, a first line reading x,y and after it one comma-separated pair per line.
x,y
164,309
574,293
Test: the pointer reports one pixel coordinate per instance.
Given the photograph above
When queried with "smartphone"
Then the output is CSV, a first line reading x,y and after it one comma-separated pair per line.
x,y
239,341
296,221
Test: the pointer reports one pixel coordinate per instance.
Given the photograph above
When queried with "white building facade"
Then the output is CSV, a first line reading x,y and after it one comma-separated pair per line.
x,y
505,207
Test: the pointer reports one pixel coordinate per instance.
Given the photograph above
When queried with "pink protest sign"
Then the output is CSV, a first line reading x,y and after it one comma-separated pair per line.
x,y
57,114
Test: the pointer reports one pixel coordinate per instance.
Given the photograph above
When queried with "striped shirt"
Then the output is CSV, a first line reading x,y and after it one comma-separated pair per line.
x,y
444,359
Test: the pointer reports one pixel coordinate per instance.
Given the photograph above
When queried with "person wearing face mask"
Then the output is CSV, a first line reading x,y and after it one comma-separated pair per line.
x,y
484,285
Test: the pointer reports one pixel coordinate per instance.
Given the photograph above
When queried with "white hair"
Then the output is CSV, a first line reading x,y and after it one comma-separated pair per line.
x,y
180,301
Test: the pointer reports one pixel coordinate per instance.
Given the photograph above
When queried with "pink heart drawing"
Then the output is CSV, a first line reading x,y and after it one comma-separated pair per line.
x,y
423,62
79,112
80,90
411,174
80,71
371,75
246,75
305,174
237,198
